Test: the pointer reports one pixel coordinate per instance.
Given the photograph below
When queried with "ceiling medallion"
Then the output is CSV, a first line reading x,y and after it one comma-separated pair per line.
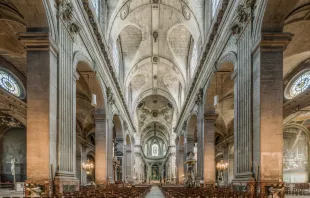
x,y
169,105
155,113
141,104
124,12
155,36
186,12
155,59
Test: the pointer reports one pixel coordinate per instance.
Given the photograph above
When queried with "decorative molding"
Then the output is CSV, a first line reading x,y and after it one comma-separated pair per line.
x,y
203,58
245,13
35,41
210,117
108,61
110,96
199,97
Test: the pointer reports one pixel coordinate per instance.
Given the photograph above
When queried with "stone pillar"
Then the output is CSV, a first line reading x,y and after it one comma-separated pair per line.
x,y
41,107
209,148
268,106
225,150
180,164
109,149
243,109
200,143
65,175
101,149
83,172
129,161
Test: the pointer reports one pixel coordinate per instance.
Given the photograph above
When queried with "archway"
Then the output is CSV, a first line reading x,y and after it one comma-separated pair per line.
x,y
13,147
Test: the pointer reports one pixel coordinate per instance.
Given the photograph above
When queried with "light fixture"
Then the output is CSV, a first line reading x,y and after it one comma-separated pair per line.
x,y
94,100
216,97
216,100
221,166
88,166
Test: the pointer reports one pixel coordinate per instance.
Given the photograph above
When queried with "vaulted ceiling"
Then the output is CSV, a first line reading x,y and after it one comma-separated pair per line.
x,y
157,40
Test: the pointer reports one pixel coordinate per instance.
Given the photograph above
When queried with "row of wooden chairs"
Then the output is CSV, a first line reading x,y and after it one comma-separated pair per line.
x,y
297,189
107,192
182,192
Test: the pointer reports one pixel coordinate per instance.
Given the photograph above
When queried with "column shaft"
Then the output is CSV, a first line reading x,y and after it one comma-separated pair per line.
x,y
209,149
101,149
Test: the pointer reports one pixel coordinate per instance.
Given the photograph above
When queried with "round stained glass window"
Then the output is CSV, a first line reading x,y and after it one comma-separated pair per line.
x,y
300,84
10,84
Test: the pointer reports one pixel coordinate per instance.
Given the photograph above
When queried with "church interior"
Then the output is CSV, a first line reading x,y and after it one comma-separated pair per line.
x,y
154,98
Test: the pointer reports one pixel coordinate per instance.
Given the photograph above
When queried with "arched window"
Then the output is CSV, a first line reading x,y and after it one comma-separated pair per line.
x,y
155,150
116,57
95,4
11,84
193,59
298,85
215,4
145,149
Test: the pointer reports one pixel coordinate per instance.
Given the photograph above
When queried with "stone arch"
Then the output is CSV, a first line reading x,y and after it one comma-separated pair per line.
x,y
271,16
82,64
191,131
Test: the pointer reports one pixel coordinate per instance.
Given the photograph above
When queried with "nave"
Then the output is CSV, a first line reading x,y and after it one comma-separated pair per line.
x,y
207,97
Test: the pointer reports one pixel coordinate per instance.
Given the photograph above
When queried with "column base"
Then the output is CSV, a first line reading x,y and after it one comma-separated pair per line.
x,y
111,181
66,184
38,188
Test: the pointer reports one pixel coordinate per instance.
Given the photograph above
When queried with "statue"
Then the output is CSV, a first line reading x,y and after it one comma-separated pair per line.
x,y
13,166
190,178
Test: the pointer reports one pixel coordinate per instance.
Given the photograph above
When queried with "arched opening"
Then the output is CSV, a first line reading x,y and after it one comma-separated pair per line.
x,y
219,119
90,123
13,155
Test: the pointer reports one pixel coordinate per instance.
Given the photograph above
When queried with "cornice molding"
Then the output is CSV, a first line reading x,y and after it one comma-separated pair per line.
x,y
104,50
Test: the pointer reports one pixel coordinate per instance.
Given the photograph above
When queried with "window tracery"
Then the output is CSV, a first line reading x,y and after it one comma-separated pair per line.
x,y
215,4
300,84
116,57
155,150
10,84
194,60
95,4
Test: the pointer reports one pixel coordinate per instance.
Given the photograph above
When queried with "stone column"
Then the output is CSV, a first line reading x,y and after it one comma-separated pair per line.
x,y
225,150
109,149
200,142
180,164
83,172
41,106
101,149
268,106
209,148
129,161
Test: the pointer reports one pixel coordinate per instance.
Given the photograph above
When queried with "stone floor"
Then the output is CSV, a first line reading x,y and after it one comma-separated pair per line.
x,y
9,193
155,193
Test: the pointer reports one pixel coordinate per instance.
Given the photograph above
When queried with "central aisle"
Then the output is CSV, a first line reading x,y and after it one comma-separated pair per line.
x,y
155,193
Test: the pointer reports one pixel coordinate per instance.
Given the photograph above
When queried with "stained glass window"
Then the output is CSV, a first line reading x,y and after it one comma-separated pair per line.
x,y
194,59
155,150
300,84
8,83
95,4
116,57
215,4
